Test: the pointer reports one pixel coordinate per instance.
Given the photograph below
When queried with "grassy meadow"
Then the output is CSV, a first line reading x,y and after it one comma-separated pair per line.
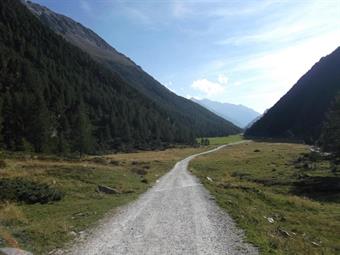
x,y
223,140
40,228
285,198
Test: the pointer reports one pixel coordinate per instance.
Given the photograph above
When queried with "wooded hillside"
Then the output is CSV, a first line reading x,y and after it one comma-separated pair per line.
x,y
55,98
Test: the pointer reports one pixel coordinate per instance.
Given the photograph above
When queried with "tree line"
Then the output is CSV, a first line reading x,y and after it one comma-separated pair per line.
x,y
55,98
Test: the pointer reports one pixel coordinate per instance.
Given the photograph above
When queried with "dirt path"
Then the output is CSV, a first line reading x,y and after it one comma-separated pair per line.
x,y
176,216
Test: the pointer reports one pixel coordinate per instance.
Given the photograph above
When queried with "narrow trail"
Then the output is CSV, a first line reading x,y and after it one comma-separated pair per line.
x,y
176,216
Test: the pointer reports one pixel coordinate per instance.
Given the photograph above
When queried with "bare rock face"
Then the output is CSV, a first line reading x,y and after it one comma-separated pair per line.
x,y
14,251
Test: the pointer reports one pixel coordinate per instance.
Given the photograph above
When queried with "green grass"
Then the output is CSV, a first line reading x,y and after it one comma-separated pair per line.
x,y
258,182
40,228
223,139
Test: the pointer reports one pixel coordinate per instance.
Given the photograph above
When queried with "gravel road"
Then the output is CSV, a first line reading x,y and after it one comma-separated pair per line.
x,y
176,216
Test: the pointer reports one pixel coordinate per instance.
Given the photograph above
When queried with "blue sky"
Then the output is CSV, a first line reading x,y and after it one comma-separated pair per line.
x,y
243,52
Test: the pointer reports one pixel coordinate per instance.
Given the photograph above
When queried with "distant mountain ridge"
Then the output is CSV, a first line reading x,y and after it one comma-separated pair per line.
x,y
240,115
77,34
201,121
301,112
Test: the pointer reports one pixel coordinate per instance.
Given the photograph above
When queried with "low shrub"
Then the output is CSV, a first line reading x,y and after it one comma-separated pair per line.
x,y
114,162
139,171
2,164
99,160
21,190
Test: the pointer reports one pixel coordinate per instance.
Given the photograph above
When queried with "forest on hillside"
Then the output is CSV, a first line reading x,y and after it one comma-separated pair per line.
x,y
55,98
301,112
198,119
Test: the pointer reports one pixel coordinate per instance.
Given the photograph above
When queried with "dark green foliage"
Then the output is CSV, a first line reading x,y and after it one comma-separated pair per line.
x,y
21,190
194,119
2,164
301,112
39,124
55,98
330,137
200,120
204,141
82,130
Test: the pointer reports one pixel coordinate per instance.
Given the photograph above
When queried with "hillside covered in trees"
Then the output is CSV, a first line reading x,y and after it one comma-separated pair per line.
x,y
301,112
200,120
56,98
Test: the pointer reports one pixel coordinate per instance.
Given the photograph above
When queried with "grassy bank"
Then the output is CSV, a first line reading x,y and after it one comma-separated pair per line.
x,y
42,227
286,199
223,139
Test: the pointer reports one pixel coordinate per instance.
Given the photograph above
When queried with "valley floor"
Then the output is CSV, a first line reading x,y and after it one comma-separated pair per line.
x,y
176,216
40,228
286,198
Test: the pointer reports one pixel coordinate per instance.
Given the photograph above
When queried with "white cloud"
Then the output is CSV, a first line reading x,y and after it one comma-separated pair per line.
x,y
216,9
207,87
222,79
319,17
287,65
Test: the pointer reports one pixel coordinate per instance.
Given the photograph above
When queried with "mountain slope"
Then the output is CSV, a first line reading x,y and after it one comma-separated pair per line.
x,y
201,121
301,112
238,114
55,98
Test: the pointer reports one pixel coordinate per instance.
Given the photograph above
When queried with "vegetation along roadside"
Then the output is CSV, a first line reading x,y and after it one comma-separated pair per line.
x,y
285,197
76,193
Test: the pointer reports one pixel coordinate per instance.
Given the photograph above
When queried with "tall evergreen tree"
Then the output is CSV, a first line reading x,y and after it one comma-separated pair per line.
x,y
39,128
8,122
63,134
82,129
330,137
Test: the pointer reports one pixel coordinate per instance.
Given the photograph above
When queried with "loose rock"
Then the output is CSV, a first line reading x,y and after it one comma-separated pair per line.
x,y
107,190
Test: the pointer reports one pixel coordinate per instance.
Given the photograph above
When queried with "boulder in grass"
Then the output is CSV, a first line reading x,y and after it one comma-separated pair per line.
x,y
14,251
107,190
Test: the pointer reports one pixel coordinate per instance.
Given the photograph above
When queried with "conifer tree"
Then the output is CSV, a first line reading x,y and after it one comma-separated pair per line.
x,y
39,125
330,137
7,128
202,141
82,129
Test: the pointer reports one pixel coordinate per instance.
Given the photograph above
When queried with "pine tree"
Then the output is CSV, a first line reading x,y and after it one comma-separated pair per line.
x,y
330,137
63,133
39,128
206,142
202,141
7,128
1,122
82,130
